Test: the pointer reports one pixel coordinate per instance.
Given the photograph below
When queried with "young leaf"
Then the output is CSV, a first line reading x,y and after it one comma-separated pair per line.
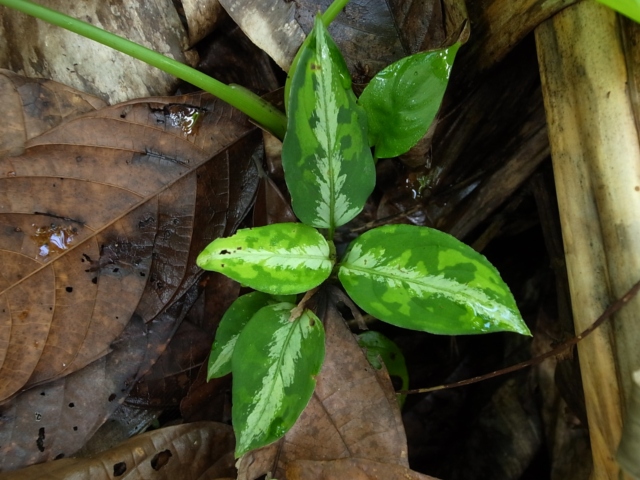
x,y
280,259
630,8
232,323
402,100
275,363
423,279
378,347
326,157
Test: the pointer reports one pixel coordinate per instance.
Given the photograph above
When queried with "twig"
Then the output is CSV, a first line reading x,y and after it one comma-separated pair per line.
x,y
613,308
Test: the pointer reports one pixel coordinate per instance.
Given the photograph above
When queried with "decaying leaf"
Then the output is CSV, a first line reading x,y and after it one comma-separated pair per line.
x,y
352,414
104,216
371,34
31,106
184,451
56,419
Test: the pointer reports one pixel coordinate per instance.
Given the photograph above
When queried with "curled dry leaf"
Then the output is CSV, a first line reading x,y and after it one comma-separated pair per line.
x,y
353,414
184,451
202,16
371,34
31,106
104,216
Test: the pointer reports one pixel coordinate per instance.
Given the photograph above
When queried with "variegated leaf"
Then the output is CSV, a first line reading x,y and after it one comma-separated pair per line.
x,y
423,279
280,259
402,100
231,324
275,363
326,157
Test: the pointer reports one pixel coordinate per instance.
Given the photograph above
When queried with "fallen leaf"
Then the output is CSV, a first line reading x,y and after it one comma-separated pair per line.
x,y
56,419
184,451
351,468
371,34
31,106
104,216
353,413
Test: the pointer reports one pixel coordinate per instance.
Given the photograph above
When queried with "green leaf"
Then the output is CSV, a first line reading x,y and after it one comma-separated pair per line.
x,y
423,279
326,157
280,259
402,100
232,323
378,347
630,8
275,364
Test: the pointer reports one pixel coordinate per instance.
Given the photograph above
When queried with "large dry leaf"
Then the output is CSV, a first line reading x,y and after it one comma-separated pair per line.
x,y
104,216
184,451
56,419
38,49
371,34
33,106
353,414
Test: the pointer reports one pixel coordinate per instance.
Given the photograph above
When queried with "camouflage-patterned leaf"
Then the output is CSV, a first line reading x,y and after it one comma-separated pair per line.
x,y
326,158
275,363
232,323
280,259
423,279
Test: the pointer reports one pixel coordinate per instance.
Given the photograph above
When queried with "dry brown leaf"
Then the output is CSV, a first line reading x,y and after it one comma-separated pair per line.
x,y
371,34
56,419
352,414
104,216
31,106
351,468
184,451
37,49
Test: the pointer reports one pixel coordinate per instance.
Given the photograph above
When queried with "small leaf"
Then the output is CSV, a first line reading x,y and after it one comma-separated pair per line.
x,y
402,100
378,347
326,157
275,364
423,279
280,259
232,323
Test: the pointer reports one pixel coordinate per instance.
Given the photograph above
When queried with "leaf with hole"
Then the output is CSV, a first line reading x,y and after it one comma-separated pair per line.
x,y
281,259
424,279
402,100
326,158
274,363
103,216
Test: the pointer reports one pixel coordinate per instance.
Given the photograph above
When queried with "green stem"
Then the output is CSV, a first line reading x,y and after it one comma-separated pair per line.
x,y
259,110
332,11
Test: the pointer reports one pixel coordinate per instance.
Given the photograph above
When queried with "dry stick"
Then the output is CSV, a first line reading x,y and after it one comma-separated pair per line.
x,y
613,308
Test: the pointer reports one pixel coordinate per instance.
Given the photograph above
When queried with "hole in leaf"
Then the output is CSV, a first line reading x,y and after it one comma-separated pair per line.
x,y
69,289
71,405
40,440
94,280
119,469
160,459
75,428
112,397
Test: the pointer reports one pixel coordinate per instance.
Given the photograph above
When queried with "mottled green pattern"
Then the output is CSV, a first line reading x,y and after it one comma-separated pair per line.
x,y
280,259
423,279
274,364
378,347
402,100
326,157
231,324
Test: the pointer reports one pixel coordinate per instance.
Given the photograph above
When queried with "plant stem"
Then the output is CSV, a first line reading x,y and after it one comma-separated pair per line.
x,y
259,110
332,11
